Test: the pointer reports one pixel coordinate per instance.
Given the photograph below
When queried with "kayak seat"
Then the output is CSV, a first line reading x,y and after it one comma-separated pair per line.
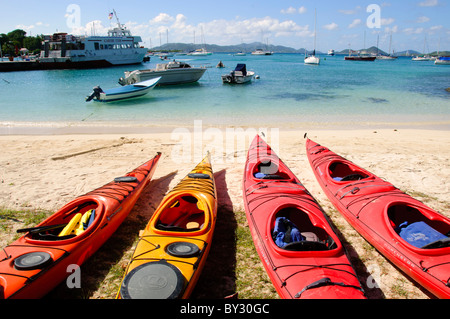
x,y
183,215
269,170
342,172
287,235
416,229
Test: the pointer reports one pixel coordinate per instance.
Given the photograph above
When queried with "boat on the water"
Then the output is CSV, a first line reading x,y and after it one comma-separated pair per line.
x,y
414,237
174,72
123,92
200,52
313,59
262,52
239,75
38,261
442,60
421,58
359,57
65,51
331,52
297,245
173,248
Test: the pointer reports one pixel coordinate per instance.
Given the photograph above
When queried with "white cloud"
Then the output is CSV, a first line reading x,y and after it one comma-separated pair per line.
x,y
410,31
162,18
436,27
394,29
290,10
422,19
351,11
387,21
331,26
355,23
217,31
429,3
93,27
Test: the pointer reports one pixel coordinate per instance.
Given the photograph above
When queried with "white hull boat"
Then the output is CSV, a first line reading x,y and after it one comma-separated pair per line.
x,y
124,92
312,60
442,61
171,73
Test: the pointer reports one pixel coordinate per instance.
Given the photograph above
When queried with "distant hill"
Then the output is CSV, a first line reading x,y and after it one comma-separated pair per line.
x,y
244,47
250,47
371,50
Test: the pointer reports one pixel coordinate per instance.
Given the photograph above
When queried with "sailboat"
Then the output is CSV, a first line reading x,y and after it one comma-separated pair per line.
x,y
424,57
312,59
389,56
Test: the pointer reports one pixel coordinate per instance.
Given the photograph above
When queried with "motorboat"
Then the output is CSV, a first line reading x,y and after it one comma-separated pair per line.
x,y
123,92
174,72
442,60
331,52
239,75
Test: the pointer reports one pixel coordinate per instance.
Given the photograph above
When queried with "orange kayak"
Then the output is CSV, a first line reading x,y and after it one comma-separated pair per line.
x,y
173,248
41,259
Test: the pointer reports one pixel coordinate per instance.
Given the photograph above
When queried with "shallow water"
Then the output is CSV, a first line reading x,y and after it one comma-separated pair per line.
x,y
288,93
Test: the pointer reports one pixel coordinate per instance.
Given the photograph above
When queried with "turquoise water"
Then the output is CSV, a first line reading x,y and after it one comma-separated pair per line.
x,y
288,94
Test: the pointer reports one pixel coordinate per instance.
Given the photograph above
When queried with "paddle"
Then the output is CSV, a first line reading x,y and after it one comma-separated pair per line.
x,y
38,229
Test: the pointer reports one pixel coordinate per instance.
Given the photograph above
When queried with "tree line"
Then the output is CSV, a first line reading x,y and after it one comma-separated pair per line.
x,y
12,42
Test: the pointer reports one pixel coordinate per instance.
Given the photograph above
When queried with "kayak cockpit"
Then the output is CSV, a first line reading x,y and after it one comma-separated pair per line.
x,y
342,172
419,228
184,213
70,223
293,229
268,169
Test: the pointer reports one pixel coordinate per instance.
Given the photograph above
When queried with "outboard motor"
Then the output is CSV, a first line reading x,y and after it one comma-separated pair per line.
x,y
95,94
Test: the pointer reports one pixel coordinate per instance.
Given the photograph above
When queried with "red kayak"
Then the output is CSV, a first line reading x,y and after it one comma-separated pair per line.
x,y
411,235
48,253
296,243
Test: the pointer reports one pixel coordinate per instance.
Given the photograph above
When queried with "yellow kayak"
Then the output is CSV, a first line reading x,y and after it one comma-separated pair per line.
x,y
173,247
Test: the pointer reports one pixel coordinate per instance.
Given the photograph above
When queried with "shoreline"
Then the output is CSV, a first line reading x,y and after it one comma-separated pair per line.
x,y
64,128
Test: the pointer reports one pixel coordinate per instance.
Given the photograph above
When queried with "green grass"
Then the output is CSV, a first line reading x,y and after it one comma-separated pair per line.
x,y
25,218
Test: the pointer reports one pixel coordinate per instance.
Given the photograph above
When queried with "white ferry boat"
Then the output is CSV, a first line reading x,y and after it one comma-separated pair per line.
x,y
65,51
62,50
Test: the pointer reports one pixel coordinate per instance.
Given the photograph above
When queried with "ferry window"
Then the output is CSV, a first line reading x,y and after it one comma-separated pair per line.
x,y
101,46
96,45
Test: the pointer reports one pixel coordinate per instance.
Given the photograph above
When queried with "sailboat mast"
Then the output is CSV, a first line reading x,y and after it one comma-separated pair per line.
x,y
315,32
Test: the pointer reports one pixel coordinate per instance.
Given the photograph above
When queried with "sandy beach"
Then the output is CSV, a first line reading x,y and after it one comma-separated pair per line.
x,y
43,172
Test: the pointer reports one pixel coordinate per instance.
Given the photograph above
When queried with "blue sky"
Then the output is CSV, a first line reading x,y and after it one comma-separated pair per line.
x,y
340,24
